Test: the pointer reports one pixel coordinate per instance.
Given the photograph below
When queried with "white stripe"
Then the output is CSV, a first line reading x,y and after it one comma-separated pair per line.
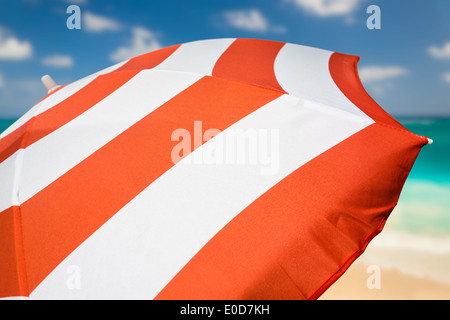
x,y
8,193
141,248
108,69
57,97
198,57
304,72
52,156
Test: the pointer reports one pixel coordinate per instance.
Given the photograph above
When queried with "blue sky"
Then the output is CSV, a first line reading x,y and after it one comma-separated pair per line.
x,y
405,65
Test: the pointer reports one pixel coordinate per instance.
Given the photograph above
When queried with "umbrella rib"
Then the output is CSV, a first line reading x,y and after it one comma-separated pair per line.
x,y
349,261
336,110
17,222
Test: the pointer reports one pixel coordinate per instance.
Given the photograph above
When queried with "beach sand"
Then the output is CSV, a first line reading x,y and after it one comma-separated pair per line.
x,y
352,285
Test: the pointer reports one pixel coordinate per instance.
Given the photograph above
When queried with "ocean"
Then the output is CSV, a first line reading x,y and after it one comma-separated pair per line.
x,y
5,123
416,238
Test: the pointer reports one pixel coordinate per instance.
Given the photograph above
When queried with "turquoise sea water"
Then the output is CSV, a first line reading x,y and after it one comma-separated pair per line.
x,y
416,238
5,123
426,194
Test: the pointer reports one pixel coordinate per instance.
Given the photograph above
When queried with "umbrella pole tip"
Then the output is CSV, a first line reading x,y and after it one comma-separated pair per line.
x,y
430,141
49,83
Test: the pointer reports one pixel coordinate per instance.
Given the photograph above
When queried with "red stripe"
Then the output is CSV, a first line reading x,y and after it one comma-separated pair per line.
x,y
344,71
250,61
45,123
295,240
149,60
52,119
13,280
67,212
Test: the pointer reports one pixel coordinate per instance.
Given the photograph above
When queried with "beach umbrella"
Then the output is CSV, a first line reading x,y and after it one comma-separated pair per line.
x,y
216,169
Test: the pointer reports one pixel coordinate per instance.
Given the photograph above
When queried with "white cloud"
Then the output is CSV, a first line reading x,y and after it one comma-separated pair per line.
x,y
446,77
95,23
328,8
376,77
372,74
378,90
58,61
27,86
250,20
12,48
143,41
19,94
440,53
77,1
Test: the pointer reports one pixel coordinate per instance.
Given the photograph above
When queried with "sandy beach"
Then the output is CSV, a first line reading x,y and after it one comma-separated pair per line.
x,y
394,285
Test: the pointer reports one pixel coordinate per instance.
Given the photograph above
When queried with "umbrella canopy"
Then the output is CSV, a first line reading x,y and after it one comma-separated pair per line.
x,y
216,169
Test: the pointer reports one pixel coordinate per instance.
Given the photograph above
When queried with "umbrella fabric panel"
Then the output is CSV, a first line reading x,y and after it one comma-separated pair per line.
x,y
305,73
196,57
56,96
344,71
297,238
9,181
59,213
61,107
180,211
250,62
117,172
300,77
12,266
67,110
46,103
53,156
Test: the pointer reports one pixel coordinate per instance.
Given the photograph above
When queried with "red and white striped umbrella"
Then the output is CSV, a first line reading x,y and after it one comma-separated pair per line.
x,y
216,169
